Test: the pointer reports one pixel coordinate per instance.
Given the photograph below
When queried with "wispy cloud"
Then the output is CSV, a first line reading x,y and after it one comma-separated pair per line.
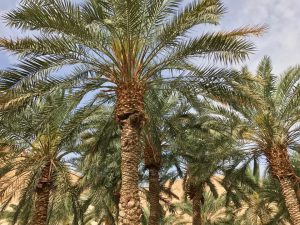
x,y
5,5
282,40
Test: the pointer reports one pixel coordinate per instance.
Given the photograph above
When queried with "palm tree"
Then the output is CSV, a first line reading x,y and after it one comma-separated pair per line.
x,y
269,125
213,210
152,154
100,164
260,206
100,149
206,147
119,46
271,193
61,210
265,208
160,106
35,166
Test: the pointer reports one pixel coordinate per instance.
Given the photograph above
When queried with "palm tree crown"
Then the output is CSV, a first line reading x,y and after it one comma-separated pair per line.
x,y
119,47
269,124
35,167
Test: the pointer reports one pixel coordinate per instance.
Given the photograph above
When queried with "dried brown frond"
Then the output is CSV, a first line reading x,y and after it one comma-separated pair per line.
x,y
247,31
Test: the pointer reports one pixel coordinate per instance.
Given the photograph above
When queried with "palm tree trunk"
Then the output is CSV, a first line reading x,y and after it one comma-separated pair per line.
x,y
42,197
282,169
108,221
129,207
116,199
130,115
152,157
154,190
197,203
291,200
298,192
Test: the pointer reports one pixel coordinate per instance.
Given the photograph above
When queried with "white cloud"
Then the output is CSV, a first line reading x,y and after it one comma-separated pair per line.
x,y
5,5
282,41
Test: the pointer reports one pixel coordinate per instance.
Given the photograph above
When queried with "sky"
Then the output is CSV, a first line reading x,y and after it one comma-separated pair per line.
x,y
281,42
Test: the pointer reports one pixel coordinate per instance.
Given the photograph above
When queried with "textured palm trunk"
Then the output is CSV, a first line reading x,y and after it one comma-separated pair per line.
x,y
153,163
116,200
194,192
282,169
197,203
291,200
130,116
298,192
154,190
107,221
43,190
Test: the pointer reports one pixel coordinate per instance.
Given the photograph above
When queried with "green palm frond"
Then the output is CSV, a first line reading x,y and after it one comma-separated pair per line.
x,y
98,35
47,130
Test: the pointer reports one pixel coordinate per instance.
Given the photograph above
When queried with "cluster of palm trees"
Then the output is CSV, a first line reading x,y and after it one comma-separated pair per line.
x,y
111,102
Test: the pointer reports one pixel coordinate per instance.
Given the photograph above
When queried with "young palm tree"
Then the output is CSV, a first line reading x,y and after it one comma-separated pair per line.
x,y
270,197
61,210
206,147
213,210
117,45
203,162
100,164
152,155
160,106
35,166
102,198
264,205
270,124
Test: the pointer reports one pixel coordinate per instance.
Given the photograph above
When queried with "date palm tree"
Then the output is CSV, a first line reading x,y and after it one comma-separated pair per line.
x,y
115,47
205,146
264,205
61,210
100,164
161,107
35,167
271,193
99,152
213,210
269,125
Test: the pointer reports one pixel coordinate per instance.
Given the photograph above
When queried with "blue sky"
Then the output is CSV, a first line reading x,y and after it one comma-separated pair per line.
x,y
281,42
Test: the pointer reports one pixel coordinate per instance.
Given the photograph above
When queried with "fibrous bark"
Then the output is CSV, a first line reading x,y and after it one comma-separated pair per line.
x,y
298,193
153,163
194,192
154,190
282,170
43,190
197,203
129,114
291,200
129,208
130,103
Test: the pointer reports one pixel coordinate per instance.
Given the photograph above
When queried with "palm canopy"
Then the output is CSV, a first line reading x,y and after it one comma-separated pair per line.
x,y
213,211
113,41
270,123
206,148
120,47
42,137
99,161
272,119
